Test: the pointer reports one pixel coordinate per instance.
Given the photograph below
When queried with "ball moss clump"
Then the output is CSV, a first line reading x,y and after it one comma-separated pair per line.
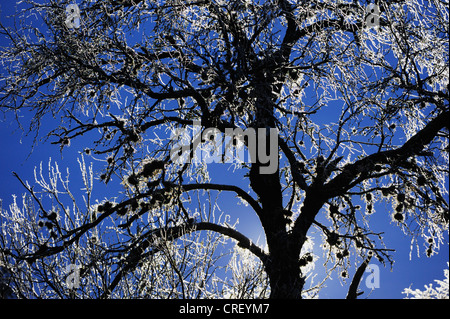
x,y
401,197
421,180
398,217
132,180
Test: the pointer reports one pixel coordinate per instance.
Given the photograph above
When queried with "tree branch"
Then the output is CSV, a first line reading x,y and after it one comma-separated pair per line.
x,y
239,191
295,170
150,238
243,241
353,289
412,147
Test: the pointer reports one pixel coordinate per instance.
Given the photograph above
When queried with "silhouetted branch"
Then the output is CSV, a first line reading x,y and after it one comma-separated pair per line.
x,y
363,168
353,289
151,240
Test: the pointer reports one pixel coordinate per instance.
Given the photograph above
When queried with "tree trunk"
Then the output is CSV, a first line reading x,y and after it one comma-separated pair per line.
x,y
282,266
283,269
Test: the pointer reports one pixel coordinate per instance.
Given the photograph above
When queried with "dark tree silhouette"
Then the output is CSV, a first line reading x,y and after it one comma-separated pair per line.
x,y
359,98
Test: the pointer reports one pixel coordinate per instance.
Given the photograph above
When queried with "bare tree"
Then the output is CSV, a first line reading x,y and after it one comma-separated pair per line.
x,y
358,94
70,251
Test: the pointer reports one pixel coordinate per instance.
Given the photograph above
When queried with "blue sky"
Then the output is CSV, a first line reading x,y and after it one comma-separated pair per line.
x,y
16,155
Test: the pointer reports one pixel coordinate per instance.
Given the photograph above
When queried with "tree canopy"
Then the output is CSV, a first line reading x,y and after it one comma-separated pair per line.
x,y
358,94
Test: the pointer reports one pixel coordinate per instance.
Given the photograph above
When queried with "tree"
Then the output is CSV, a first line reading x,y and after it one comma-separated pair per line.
x,y
440,292
5,290
357,93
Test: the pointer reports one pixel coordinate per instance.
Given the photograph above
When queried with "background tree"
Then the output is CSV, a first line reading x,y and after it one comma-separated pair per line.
x,y
430,292
360,101
6,291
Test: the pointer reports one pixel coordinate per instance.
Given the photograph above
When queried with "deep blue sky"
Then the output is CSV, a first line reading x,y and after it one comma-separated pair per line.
x,y
15,155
